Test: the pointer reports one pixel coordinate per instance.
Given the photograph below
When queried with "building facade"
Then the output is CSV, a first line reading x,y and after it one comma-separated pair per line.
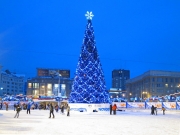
x,y
12,84
50,82
153,83
119,78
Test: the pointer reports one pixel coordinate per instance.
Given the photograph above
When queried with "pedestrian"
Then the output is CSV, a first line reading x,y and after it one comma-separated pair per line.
x,y
51,110
36,106
56,108
6,106
28,108
14,106
68,110
114,109
163,109
18,109
1,106
155,109
110,108
152,110
62,109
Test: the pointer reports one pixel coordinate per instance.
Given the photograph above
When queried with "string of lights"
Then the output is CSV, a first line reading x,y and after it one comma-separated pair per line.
x,y
89,83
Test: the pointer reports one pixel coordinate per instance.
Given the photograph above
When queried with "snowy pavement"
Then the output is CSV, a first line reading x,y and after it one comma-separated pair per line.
x,y
124,123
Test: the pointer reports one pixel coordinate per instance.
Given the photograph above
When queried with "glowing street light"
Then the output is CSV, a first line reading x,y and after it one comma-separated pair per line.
x,y
144,92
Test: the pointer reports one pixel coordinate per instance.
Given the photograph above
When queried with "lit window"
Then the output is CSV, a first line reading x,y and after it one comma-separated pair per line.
x,y
49,86
29,85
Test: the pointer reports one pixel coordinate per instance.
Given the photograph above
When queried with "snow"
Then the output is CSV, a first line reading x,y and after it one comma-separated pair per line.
x,y
128,122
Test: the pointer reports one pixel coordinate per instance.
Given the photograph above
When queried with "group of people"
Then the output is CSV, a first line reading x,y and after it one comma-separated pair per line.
x,y
154,110
113,109
51,108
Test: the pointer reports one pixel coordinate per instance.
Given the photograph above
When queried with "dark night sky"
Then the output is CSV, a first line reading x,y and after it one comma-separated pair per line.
x,y
134,35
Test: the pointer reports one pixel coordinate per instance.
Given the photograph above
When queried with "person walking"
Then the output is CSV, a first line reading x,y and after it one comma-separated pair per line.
x,y
18,109
152,110
114,109
163,109
68,110
110,108
1,106
62,109
6,106
28,108
155,109
51,110
14,106
57,108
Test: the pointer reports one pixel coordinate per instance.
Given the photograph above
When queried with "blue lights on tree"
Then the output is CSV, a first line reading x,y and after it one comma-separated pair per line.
x,y
89,83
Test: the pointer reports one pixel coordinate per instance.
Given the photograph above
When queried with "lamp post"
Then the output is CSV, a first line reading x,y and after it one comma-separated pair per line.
x,y
142,95
129,96
59,88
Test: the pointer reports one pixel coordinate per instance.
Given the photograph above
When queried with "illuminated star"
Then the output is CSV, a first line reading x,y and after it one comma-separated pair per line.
x,y
89,15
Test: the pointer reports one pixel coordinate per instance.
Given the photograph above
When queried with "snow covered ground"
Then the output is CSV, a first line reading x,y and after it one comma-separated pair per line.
x,y
124,123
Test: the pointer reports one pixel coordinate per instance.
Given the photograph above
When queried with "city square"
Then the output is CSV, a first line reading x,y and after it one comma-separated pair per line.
x,y
90,67
128,122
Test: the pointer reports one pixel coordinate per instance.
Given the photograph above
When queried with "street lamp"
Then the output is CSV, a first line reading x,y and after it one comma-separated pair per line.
x,y
59,88
142,95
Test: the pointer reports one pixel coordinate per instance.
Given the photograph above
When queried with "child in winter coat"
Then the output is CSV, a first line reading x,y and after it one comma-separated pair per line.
x,y
163,109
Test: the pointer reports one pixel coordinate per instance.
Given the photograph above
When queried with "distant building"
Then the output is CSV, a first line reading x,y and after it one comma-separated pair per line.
x,y
11,83
119,78
50,82
153,83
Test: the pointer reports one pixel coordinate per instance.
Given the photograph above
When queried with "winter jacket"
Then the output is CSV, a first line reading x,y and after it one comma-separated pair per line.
x,y
114,107
51,108
18,109
28,106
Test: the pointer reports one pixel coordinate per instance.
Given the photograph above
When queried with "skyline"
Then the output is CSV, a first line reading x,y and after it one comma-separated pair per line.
x,y
135,36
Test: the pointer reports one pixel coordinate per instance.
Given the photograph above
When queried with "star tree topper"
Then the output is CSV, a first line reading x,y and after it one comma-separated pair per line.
x,y
89,15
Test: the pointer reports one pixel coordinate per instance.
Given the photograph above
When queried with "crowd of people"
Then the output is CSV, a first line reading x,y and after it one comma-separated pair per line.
x,y
31,106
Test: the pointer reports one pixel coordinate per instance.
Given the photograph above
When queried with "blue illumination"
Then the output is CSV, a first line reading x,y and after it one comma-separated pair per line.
x,y
89,83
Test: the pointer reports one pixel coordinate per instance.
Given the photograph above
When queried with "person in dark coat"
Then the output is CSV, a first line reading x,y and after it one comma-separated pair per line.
x,y
51,111
18,109
28,108
155,110
1,105
14,106
62,109
68,110
152,110
110,108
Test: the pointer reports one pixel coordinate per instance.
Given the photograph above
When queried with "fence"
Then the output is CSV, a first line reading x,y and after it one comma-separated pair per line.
x,y
148,105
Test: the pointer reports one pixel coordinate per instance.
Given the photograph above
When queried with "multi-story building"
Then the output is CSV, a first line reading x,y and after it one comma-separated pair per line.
x,y
153,83
11,83
50,82
119,78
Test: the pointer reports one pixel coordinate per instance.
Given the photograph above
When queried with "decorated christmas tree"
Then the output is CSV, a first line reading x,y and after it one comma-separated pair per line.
x,y
89,83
